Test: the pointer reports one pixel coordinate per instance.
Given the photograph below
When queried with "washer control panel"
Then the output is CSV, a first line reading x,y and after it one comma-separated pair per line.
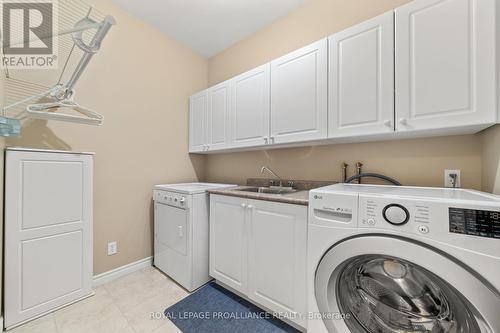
x,y
171,199
404,215
474,222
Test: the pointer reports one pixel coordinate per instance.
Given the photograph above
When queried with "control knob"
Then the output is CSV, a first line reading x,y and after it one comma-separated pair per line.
x,y
396,214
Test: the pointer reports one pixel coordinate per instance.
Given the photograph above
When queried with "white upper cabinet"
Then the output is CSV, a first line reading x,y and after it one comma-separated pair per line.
x,y
428,68
361,76
299,89
198,122
219,106
445,64
251,108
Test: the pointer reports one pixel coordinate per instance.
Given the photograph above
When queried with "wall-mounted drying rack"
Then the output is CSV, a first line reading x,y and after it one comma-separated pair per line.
x,y
57,102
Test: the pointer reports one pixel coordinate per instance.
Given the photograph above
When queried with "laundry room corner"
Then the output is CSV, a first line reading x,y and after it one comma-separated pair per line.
x,y
141,80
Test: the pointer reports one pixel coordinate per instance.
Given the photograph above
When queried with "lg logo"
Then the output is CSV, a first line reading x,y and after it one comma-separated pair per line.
x,y
318,197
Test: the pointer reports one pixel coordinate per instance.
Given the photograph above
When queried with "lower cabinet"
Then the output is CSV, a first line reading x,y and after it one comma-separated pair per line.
x,y
228,248
258,248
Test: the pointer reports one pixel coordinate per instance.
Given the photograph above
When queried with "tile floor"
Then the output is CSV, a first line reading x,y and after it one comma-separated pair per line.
x,y
122,306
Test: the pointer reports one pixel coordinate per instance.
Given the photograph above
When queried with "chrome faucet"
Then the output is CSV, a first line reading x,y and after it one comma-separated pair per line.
x,y
264,169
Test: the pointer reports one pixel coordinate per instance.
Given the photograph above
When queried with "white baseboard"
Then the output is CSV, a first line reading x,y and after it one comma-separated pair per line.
x,y
116,273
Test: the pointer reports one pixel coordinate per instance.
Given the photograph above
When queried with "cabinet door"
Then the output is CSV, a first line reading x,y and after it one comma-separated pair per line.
x,y
299,91
228,245
218,116
445,64
48,232
251,108
277,257
361,72
198,122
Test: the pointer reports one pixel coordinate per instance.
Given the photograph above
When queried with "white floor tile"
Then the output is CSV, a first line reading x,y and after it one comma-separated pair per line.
x,y
168,327
44,324
121,306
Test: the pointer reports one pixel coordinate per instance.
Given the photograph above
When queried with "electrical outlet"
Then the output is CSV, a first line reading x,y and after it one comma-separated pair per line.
x,y
112,248
449,181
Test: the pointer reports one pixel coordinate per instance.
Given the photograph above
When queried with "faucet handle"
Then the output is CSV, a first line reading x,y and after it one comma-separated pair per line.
x,y
291,183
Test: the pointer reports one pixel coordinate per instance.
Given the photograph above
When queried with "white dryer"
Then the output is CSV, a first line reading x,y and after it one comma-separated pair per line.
x,y
181,232
390,259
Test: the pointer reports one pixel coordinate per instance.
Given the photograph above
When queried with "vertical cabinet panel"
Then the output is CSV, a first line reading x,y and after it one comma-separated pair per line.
x,y
277,257
445,61
299,88
361,77
218,116
51,268
198,122
228,241
42,201
251,108
48,232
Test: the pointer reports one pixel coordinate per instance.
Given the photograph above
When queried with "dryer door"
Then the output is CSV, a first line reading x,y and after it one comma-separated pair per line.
x,y
391,285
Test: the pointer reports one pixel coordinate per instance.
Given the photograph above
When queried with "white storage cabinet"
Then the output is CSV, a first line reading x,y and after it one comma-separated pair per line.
x,y
48,232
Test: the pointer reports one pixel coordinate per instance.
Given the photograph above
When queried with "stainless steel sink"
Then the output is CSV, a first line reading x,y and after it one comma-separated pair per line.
x,y
269,190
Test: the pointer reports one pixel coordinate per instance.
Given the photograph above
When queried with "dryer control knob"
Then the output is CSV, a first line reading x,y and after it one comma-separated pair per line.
x,y
396,214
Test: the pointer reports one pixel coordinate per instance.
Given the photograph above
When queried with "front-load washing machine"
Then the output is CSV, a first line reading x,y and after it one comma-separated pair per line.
x,y
390,259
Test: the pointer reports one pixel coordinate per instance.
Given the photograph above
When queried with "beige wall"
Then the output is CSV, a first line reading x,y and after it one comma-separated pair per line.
x,y
491,159
414,162
140,82
314,20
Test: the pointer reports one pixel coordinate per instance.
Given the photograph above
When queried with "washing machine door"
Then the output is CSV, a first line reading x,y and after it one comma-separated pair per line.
x,y
382,284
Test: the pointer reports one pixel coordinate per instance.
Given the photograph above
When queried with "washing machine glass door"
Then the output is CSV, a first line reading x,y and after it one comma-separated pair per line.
x,y
391,293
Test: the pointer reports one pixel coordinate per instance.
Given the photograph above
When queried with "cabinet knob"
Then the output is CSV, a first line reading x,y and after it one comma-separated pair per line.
x,y
272,140
251,207
243,205
266,140
403,121
388,123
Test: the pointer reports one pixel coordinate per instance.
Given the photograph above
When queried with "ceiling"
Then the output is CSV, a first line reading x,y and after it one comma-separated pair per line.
x,y
209,26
